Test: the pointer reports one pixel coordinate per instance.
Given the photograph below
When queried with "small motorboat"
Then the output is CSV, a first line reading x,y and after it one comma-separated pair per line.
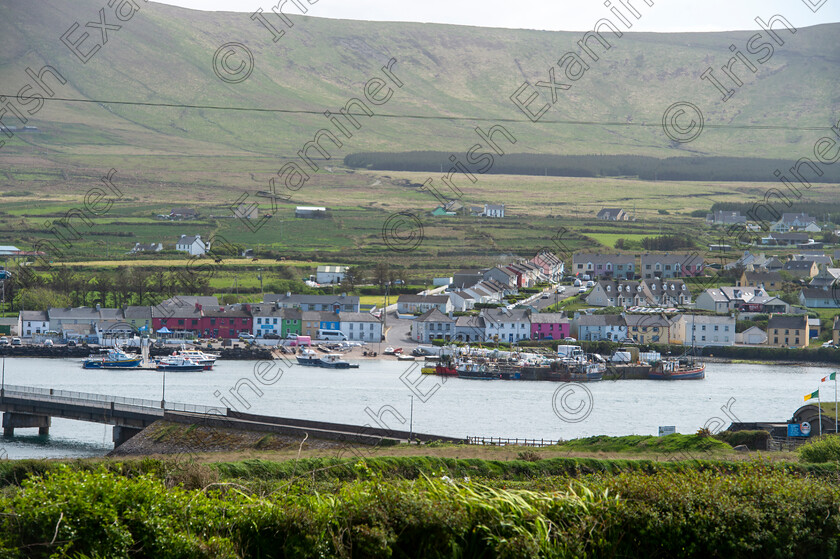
x,y
334,361
309,358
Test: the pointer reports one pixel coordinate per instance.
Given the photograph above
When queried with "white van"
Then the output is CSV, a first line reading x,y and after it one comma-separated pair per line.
x,y
332,335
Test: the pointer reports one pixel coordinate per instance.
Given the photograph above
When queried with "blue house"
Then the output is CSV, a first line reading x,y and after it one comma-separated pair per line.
x,y
330,321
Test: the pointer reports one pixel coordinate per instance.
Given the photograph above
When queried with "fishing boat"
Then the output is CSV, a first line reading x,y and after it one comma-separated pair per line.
x,y
474,371
113,358
177,363
681,368
445,370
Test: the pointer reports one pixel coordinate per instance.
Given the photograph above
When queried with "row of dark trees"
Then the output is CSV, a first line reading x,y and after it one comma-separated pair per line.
x,y
717,169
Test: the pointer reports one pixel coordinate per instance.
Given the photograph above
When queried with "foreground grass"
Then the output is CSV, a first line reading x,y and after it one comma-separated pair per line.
x,y
164,510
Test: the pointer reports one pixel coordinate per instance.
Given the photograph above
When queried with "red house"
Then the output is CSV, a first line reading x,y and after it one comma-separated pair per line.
x,y
226,322
177,318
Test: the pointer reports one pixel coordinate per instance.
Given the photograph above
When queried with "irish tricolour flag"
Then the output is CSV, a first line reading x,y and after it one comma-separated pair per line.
x,y
832,376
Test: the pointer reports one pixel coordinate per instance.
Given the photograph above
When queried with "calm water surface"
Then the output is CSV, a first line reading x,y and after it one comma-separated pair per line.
x,y
455,408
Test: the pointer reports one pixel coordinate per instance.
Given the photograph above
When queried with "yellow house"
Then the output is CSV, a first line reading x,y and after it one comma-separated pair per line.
x,y
771,281
649,328
788,331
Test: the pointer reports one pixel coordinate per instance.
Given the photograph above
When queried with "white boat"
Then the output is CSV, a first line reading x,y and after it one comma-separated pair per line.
x,y
310,358
200,357
178,363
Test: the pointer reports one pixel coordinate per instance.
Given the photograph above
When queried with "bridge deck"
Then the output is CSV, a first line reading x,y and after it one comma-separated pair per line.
x,y
140,413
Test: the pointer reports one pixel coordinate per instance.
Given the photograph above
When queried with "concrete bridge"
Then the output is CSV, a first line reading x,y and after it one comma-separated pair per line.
x,y
30,407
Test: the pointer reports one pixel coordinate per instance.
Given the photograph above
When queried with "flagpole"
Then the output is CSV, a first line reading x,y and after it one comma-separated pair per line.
x,y
819,409
835,402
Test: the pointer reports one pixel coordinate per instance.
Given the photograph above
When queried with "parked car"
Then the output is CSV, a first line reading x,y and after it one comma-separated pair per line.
x,y
246,337
590,284
829,344
4,341
545,295
48,343
577,283
582,290
561,289
16,341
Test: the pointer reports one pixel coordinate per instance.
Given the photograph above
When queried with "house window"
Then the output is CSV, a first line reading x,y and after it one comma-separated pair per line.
x,y
259,321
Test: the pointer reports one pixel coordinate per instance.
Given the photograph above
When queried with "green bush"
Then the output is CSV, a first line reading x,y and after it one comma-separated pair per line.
x,y
754,440
823,449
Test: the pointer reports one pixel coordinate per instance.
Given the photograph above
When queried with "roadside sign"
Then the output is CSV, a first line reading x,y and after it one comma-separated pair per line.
x,y
799,429
667,430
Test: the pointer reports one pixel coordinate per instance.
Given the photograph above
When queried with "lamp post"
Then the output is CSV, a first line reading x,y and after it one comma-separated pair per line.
x,y
163,392
260,277
411,421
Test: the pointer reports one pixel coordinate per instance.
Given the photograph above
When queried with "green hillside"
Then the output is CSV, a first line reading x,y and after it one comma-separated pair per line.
x,y
165,54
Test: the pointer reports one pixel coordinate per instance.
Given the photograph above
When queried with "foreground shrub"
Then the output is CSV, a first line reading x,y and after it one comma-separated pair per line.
x,y
823,449
757,511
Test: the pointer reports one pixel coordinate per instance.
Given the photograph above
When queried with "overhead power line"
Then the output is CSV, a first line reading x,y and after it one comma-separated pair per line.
x,y
656,124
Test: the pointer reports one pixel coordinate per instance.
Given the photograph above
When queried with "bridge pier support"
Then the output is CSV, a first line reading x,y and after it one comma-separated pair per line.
x,y
15,420
123,432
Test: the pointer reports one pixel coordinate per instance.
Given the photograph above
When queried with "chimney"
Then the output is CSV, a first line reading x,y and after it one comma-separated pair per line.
x,y
197,306
98,306
288,294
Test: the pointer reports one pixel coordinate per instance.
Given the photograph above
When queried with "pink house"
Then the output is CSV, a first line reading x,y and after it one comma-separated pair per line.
x,y
549,326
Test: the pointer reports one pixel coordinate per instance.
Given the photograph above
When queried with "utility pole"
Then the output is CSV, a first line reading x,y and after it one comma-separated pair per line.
x,y
259,277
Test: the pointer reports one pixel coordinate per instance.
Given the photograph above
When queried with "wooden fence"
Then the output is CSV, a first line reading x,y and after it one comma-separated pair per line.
x,y
498,441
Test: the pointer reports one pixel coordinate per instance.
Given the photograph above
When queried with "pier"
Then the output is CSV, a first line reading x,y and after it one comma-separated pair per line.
x,y
29,407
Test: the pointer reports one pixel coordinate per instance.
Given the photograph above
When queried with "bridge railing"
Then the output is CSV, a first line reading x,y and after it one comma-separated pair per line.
x,y
71,395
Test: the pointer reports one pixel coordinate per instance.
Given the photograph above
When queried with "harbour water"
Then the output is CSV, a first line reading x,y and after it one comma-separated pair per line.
x,y
454,407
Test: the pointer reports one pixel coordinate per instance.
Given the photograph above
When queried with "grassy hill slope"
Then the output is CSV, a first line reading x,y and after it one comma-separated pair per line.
x,y
164,55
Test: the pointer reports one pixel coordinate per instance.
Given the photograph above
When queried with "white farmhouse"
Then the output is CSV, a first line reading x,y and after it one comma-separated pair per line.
x,y
192,244
330,274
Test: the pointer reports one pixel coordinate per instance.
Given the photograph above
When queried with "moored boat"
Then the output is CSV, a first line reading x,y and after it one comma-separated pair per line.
x,y
678,369
200,357
176,363
309,358
113,358
475,371
334,361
